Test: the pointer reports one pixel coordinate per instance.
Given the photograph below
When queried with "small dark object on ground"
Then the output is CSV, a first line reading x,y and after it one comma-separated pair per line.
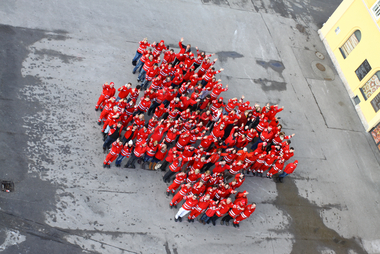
x,y
7,186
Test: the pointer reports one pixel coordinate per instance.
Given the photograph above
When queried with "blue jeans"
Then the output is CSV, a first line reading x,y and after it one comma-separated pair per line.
x,y
147,158
254,146
283,174
142,74
119,160
137,57
205,218
138,67
145,84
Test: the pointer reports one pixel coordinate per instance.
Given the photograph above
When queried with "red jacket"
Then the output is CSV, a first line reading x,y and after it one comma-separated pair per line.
x,y
116,148
144,105
127,150
211,209
123,91
198,190
224,207
219,168
160,155
248,210
140,150
143,46
190,203
291,167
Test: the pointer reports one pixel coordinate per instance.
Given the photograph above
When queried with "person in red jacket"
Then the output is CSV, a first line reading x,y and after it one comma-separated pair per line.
x,y
117,146
159,47
185,188
236,209
150,74
109,104
191,201
202,205
169,159
138,152
224,206
149,62
143,106
184,51
179,178
124,91
212,208
125,153
175,167
248,210
162,151
139,52
218,89
277,167
288,170
107,92
151,150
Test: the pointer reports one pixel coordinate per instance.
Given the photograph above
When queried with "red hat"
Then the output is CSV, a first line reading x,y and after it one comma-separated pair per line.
x,y
111,83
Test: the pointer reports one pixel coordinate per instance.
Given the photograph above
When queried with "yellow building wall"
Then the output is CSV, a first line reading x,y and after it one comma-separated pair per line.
x,y
350,16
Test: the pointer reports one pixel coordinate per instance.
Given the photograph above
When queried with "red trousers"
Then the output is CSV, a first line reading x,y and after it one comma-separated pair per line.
x,y
176,199
272,171
194,214
238,219
110,158
102,98
263,168
173,187
257,165
103,115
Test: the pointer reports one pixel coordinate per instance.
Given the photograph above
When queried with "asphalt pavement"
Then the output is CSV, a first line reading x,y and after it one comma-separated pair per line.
x,y
54,57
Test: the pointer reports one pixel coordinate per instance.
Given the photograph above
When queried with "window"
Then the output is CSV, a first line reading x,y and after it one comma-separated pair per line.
x,y
371,86
376,9
351,43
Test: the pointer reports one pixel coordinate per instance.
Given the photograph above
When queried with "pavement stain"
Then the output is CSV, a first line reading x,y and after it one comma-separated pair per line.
x,y
224,55
313,235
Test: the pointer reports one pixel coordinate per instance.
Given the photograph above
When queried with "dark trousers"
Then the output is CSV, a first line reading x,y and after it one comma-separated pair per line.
x,y
108,142
153,108
206,167
164,165
132,160
196,66
168,175
214,218
227,218
176,61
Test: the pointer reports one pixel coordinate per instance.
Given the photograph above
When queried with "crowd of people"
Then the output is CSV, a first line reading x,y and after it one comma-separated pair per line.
x,y
182,125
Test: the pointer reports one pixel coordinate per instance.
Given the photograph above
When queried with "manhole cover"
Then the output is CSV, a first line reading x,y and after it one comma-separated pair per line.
x,y
320,67
319,55
322,71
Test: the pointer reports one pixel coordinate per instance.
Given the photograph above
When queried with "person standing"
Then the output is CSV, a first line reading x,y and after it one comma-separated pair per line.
x,y
117,146
125,153
107,92
139,52
233,213
248,210
289,169
191,201
137,154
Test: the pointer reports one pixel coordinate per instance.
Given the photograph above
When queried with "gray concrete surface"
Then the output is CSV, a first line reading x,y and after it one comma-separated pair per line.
x,y
54,56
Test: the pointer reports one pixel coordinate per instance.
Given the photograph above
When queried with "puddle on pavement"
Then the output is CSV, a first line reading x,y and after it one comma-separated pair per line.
x,y
310,233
